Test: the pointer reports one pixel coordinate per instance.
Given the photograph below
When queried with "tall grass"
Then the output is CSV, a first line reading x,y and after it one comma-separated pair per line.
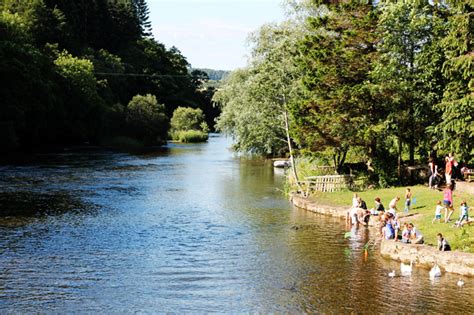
x,y
189,136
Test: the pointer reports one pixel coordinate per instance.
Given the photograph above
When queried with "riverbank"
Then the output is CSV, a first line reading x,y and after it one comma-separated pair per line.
x,y
421,214
316,207
427,256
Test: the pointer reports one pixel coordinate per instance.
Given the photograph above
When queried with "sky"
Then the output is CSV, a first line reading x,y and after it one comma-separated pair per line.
x,y
211,33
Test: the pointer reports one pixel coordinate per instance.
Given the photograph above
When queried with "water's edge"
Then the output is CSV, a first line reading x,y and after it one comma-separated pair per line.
x,y
423,255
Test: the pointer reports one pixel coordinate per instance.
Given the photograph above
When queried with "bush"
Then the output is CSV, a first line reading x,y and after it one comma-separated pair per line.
x,y
187,118
189,136
188,125
146,119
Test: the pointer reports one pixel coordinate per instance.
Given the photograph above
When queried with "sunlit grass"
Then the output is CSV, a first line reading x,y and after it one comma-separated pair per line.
x,y
425,205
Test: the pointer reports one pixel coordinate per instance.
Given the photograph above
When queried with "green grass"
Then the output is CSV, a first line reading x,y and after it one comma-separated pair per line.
x,y
460,239
189,136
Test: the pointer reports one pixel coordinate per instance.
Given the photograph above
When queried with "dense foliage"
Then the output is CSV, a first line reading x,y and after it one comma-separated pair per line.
x,y
379,83
146,119
188,125
69,69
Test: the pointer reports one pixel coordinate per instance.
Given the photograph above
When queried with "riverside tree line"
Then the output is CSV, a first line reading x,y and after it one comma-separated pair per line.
x,y
380,82
77,72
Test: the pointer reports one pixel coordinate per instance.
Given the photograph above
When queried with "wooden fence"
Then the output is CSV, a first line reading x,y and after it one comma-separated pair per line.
x,y
327,183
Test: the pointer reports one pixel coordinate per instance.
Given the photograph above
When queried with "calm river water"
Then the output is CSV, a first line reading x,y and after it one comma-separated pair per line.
x,y
189,229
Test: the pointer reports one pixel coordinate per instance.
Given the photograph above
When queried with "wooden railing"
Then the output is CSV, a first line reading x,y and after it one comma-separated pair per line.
x,y
327,183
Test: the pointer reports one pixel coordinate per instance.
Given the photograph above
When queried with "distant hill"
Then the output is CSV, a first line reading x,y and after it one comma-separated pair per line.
x,y
214,75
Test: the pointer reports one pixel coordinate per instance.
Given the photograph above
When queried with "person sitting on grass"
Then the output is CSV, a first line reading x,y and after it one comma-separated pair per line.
x,y
464,214
438,210
416,236
406,233
443,244
448,202
379,208
407,200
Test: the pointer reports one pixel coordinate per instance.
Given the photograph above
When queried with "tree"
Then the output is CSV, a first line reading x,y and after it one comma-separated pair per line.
x,y
408,70
146,119
455,131
335,58
143,14
186,118
253,100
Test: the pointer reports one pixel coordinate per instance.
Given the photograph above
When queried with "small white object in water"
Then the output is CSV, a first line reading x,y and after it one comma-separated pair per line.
x,y
460,283
435,272
406,269
391,274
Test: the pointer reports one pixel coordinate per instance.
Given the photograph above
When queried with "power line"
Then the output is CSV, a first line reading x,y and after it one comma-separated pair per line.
x,y
117,74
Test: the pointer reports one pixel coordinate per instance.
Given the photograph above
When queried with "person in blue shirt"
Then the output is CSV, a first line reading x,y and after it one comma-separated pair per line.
x,y
464,214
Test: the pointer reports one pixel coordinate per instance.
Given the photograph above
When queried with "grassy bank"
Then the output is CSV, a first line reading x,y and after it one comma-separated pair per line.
x,y
189,136
460,239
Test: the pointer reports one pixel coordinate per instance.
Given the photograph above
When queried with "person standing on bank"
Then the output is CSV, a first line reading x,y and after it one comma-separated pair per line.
x,y
433,172
448,170
448,203
407,200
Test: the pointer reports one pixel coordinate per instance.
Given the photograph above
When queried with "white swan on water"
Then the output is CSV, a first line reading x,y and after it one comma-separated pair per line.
x,y
460,283
435,272
406,269
391,274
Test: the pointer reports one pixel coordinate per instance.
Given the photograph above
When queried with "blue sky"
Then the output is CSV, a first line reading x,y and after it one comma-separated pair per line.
x,y
211,33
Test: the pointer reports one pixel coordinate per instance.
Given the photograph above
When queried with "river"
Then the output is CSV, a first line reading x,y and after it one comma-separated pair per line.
x,y
191,228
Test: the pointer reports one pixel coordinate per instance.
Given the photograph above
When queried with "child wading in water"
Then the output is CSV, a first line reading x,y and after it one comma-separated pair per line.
x,y
443,244
407,200
438,210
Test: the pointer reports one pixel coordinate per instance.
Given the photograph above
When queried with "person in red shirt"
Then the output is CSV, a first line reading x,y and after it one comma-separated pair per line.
x,y
448,170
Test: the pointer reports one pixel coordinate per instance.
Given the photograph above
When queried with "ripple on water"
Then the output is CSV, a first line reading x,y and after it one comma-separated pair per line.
x,y
188,229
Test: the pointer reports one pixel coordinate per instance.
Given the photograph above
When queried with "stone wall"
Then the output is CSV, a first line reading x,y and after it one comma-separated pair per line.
x,y
422,255
308,204
426,256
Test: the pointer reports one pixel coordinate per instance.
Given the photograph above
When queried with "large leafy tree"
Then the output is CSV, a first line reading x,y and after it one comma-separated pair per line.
x,y
335,60
147,119
408,74
254,100
455,131
70,67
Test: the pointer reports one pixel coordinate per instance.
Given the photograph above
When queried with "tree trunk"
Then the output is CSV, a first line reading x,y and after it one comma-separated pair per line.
x,y
290,150
412,152
400,149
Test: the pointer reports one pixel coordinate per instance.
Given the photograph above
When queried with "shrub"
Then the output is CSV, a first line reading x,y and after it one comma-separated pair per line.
x,y
146,119
190,136
188,125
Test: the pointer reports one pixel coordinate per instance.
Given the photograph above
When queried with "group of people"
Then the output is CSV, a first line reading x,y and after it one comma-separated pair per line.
x,y
452,170
389,222
448,206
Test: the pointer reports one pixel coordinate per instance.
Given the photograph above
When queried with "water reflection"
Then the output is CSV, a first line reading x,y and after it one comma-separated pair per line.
x,y
188,229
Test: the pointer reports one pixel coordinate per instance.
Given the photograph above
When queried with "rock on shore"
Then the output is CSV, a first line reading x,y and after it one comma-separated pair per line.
x,y
426,256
